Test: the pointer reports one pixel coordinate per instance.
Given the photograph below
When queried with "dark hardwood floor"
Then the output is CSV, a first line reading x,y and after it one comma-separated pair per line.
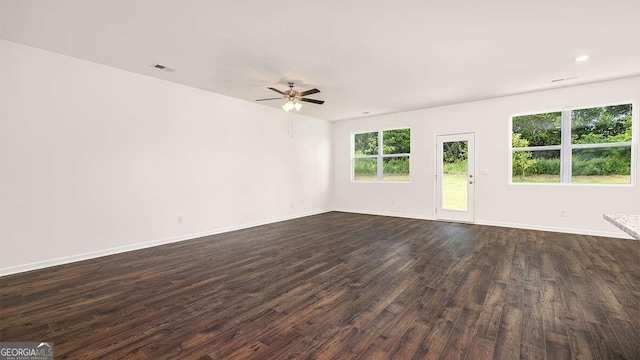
x,y
340,286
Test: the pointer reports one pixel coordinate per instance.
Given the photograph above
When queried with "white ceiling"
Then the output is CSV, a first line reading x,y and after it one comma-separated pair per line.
x,y
375,56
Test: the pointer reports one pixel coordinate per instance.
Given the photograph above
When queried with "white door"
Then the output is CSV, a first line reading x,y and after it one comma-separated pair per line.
x,y
455,177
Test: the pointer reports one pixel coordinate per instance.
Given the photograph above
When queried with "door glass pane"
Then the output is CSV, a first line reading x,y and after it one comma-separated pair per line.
x,y
454,177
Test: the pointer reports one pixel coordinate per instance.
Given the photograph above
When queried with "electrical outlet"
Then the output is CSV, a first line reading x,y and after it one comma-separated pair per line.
x,y
180,220
393,202
563,213
292,204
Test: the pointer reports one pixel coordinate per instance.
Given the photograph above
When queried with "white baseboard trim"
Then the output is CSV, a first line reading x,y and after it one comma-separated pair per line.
x,y
100,253
619,235
384,213
556,229
185,237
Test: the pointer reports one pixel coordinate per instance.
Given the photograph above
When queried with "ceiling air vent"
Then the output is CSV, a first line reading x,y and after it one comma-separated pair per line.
x,y
564,79
163,67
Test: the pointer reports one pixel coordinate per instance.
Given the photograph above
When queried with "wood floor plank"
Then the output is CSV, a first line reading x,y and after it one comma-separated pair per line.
x,y
532,338
344,286
462,334
392,334
508,341
491,313
480,349
509,334
410,341
557,346
627,336
578,332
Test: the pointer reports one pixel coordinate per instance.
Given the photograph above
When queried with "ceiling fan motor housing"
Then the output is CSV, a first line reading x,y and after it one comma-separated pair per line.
x,y
291,94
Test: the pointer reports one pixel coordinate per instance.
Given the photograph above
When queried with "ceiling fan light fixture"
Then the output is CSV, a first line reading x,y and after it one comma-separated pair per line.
x,y
288,106
298,106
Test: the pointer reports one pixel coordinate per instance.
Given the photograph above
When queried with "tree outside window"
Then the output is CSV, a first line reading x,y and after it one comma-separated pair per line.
x,y
382,155
583,146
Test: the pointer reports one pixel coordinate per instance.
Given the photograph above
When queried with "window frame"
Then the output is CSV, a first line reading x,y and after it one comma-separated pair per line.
x,y
380,156
566,147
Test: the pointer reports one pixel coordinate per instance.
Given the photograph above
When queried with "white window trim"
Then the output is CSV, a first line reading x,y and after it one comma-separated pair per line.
x,y
380,157
565,135
567,146
574,146
538,148
601,145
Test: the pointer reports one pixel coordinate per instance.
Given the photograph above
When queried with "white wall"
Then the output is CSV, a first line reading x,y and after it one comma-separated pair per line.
x,y
96,160
497,202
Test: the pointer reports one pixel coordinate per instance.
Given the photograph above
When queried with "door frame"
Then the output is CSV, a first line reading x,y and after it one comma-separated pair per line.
x,y
456,215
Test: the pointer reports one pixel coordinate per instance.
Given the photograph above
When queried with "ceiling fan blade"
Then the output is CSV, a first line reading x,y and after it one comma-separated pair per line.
x,y
269,99
314,101
276,90
309,92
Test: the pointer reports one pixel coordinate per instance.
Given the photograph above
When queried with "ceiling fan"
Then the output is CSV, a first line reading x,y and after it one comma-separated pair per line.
x,y
294,97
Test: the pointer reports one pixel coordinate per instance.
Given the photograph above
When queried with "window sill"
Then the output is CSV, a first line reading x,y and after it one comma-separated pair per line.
x,y
567,184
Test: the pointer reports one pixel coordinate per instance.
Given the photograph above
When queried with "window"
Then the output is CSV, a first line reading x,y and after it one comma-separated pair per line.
x,y
381,155
579,146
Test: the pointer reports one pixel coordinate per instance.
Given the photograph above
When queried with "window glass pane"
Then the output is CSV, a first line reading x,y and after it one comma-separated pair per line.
x,y
395,168
601,125
365,169
536,166
366,143
396,141
537,129
601,165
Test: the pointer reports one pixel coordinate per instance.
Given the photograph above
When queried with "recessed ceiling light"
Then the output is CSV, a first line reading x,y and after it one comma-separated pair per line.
x,y
365,112
582,58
